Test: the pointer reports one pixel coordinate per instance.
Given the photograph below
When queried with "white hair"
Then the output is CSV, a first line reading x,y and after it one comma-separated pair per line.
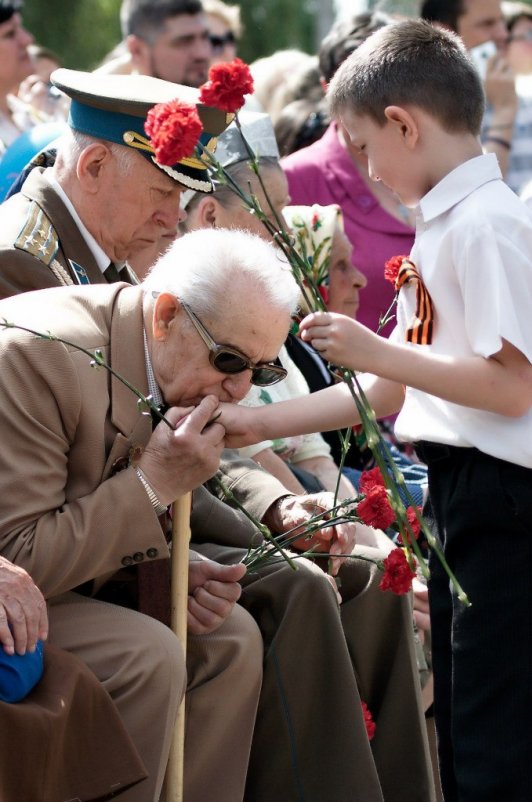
x,y
73,143
207,266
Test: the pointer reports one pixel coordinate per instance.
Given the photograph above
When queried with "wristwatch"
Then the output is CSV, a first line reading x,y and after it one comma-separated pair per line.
x,y
159,508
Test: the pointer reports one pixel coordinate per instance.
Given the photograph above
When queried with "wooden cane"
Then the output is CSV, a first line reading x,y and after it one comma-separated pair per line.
x,y
179,602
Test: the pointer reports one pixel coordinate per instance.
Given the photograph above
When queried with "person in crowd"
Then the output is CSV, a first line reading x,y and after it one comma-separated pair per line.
x,y
299,124
103,200
94,495
137,659
274,76
507,124
468,385
518,18
44,102
55,695
15,66
225,29
226,209
331,171
167,39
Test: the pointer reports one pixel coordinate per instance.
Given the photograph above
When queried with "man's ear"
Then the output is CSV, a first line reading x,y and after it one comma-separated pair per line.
x,y
165,310
140,53
91,165
405,123
208,212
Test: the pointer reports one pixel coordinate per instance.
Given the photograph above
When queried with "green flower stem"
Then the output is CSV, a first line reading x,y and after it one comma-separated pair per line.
x,y
386,464
97,361
262,528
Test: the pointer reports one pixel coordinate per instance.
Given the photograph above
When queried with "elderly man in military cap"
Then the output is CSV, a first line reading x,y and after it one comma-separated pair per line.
x,y
106,197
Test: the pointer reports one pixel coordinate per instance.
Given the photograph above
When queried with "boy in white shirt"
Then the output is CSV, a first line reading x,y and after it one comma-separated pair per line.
x,y
411,100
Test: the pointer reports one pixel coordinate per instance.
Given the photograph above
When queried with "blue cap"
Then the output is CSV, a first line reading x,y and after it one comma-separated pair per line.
x,y
115,108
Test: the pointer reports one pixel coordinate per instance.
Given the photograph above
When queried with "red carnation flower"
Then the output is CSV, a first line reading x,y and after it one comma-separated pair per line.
x,y
374,510
392,267
415,525
370,479
227,85
398,574
368,721
324,292
174,129
315,222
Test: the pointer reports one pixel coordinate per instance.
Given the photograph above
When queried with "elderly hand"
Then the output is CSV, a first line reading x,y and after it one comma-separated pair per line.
x,y
175,462
23,614
213,592
294,511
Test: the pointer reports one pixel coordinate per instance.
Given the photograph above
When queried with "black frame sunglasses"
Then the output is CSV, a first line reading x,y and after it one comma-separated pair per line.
x,y
230,361
219,42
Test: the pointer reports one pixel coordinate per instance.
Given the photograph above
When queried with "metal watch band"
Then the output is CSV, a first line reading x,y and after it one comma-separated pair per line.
x,y
159,508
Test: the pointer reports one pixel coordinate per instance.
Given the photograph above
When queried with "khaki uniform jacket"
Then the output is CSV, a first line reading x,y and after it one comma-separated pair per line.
x,y
70,513
40,243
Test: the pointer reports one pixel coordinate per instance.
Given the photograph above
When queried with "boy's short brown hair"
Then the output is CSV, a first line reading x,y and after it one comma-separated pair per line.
x,y
411,63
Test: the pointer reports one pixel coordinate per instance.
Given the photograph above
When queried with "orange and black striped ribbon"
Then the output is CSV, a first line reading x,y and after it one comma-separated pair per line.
x,y
421,325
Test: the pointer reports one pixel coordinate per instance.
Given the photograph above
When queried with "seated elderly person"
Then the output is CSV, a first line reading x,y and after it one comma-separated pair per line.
x,y
52,708
74,519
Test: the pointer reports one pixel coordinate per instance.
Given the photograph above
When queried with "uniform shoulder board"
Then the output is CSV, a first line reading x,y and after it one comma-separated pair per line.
x,y
38,236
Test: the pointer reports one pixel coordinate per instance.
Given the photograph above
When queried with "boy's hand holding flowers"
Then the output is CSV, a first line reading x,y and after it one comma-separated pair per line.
x,y
341,340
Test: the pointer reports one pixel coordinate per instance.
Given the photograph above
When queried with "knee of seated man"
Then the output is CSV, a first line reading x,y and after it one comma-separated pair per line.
x,y
236,645
157,655
311,579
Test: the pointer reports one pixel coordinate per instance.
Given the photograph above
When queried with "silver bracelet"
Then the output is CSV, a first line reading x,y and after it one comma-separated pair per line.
x,y
159,508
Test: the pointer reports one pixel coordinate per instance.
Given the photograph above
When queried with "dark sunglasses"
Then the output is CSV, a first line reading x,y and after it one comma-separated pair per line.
x,y
219,42
229,360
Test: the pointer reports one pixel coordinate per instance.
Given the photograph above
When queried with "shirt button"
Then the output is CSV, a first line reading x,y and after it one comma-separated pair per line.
x,y
127,560
152,553
138,556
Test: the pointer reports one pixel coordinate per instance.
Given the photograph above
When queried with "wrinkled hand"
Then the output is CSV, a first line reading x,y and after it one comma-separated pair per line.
x,y
175,462
213,592
294,511
340,339
23,608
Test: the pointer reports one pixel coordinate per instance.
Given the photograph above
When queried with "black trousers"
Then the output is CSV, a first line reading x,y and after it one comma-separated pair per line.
x,y
482,655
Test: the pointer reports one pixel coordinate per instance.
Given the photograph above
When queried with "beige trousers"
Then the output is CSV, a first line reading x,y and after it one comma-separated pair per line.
x,y
140,663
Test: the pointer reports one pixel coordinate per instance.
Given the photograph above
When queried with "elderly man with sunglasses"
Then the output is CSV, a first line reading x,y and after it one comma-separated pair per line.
x,y
84,478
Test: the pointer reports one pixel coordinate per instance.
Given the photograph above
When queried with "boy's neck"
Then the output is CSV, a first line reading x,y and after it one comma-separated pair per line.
x,y
446,152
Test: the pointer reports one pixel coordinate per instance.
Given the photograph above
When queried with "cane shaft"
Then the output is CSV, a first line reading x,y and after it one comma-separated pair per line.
x,y
179,603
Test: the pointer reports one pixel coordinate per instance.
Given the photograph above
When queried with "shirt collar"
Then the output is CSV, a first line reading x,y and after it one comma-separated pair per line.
x,y
102,260
458,184
153,387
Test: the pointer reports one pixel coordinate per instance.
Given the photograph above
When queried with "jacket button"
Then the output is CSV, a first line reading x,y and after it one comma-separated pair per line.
x,y
138,556
127,560
152,553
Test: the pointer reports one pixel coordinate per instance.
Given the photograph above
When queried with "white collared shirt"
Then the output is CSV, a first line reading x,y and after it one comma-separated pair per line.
x,y
102,260
473,248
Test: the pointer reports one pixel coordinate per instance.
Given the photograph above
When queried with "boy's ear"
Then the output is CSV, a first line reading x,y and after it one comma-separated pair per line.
x,y
405,123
